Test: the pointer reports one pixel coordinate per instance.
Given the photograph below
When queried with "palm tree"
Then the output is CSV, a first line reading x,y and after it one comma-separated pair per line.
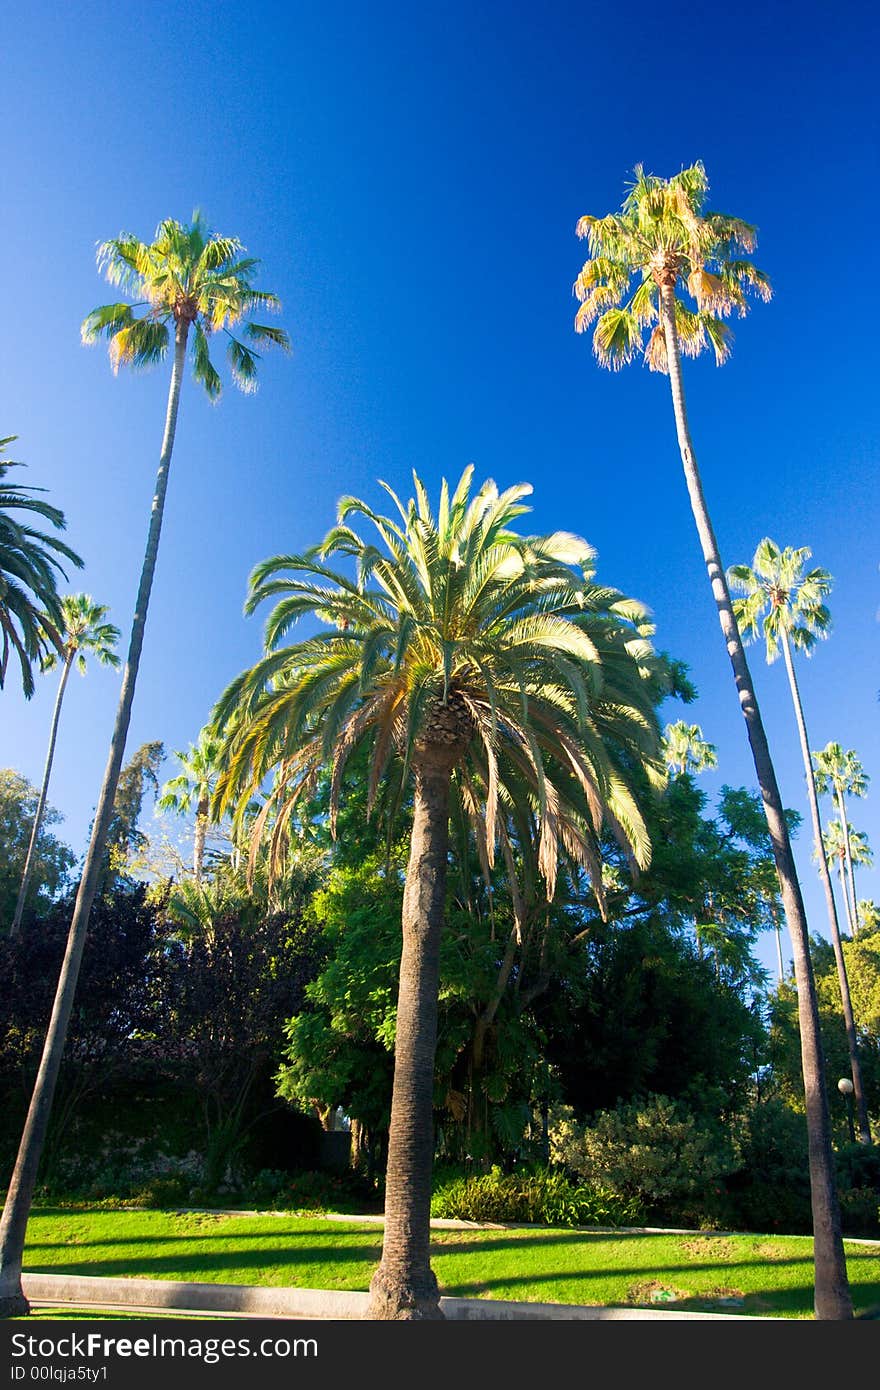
x,y
480,668
665,239
835,840
193,789
83,631
190,284
30,610
840,774
685,749
785,602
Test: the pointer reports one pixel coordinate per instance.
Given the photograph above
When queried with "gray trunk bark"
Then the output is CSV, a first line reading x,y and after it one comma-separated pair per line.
x,y
828,887
404,1285
30,860
853,906
832,1298
844,894
201,832
21,1186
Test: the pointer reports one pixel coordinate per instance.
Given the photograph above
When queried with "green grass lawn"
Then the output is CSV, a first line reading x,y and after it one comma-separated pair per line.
x,y
751,1274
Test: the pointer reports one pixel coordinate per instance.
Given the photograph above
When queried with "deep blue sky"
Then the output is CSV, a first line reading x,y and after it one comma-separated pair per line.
x,y
411,178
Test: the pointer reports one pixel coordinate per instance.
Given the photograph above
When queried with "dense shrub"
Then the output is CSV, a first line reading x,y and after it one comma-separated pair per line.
x,y
652,1152
543,1197
768,1188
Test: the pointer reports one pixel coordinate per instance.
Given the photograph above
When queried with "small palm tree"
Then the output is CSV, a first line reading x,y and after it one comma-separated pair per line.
x,y
193,788
785,602
189,284
835,840
83,633
30,609
489,670
690,270
840,774
685,749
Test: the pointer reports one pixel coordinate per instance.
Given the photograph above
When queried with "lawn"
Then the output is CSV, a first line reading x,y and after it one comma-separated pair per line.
x,y
765,1275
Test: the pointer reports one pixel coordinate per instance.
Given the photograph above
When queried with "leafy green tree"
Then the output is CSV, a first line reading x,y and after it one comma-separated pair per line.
x,y
676,249
190,284
83,632
863,972
869,916
638,1011
840,774
685,749
30,608
193,788
126,842
475,658
52,859
785,602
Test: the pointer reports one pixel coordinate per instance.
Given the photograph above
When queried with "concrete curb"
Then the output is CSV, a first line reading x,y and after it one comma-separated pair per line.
x,y
246,1300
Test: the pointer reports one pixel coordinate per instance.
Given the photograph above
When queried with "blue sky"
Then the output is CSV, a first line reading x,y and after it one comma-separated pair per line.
x,y
411,178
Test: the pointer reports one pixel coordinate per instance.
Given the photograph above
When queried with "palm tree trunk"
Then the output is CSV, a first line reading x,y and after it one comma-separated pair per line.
x,y
41,803
853,901
832,1298
199,839
849,1021
21,1186
842,872
779,965
404,1285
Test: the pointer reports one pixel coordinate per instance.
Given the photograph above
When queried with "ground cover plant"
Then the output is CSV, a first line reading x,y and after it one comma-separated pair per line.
x,y
754,1275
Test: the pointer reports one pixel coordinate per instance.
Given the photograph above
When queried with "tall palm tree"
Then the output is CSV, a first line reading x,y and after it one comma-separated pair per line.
x,y
835,841
30,609
685,749
666,240
478,667
83,632
193,788
189,283
840,774
785,602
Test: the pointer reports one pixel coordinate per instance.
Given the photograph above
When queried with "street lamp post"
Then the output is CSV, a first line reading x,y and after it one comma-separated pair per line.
x,y
845,1087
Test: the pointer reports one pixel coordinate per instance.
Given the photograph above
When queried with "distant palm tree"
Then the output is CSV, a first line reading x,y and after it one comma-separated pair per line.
x,y
665,240
193,788
840,774
190,284
30,609
83,632
785,602
685,749
489,669
835,842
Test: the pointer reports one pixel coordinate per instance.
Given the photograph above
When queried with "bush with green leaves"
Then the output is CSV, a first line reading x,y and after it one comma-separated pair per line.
x,y
541,1197
653,1152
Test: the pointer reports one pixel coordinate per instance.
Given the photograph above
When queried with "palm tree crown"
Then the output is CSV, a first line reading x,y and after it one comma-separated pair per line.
x,y
685,749
85,633
835,842
195,783
664,238
30,609
185,276
779,597
461,631
193,788
839,772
